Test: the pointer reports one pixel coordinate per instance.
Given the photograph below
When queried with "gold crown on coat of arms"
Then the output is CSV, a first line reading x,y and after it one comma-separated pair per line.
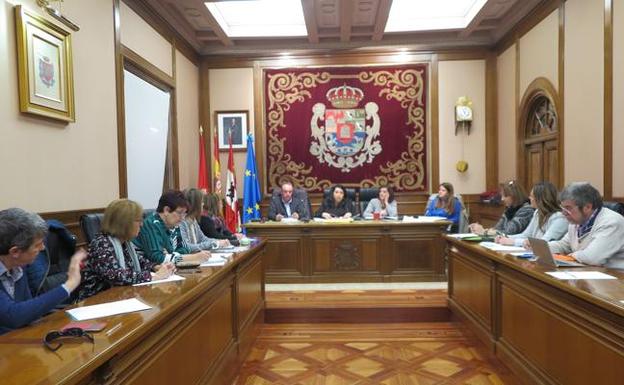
x,y
345,96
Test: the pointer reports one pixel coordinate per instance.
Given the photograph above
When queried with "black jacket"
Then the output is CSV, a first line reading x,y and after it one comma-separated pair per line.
x,y
297,205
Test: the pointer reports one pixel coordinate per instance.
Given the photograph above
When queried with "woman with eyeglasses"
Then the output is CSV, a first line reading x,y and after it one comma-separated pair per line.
x,y
337,205
192,234
517,215
548,222
160,238
113,259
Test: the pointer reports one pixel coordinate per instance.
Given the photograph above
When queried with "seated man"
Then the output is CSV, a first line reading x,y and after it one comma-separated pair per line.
x,y
160,238
21,239
287,206
596,234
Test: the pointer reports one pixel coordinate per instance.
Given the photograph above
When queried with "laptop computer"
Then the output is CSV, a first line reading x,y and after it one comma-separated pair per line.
x,y
546,258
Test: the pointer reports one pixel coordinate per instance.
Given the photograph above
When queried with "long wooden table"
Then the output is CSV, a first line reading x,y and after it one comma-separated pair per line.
x,y
549,331
198,332
360,251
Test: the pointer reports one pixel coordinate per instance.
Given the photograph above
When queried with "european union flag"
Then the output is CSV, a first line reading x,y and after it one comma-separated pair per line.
x,y
251,187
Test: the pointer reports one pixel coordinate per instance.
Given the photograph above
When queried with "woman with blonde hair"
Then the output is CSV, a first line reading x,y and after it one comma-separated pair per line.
x,y
212,223
113,259
548,222
517,215
192,234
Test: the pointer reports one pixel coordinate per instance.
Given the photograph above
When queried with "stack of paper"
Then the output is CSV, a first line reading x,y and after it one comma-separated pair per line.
x,y
422,219
290,220
502,248
217,259
462,236
107,309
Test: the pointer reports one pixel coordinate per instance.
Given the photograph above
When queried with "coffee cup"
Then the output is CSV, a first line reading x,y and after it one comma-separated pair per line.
x,y
376,215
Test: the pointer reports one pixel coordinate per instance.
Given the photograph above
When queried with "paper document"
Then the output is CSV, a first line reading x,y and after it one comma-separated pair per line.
x,y
217,259
172,278
503,248
107,309
580,275
422,219
462,236
290,220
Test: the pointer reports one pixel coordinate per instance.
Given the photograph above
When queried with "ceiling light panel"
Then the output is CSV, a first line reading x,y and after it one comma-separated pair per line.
x,y
259,18
428,15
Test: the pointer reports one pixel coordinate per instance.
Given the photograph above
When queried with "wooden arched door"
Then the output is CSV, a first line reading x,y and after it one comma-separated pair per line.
x,y
539,134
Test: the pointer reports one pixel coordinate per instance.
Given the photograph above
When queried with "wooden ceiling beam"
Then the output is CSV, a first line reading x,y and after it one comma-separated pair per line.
x,y
382,18
474,23
310,19
346,17
214,25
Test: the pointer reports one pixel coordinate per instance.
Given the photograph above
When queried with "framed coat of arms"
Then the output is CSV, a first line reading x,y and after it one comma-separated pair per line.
x,y
44,66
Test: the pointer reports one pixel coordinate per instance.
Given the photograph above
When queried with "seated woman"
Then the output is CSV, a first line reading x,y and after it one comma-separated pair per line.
x,y
337,205
548,222
445,205
212,223
385,204
192,234
160,238
517,215
113,260
21,239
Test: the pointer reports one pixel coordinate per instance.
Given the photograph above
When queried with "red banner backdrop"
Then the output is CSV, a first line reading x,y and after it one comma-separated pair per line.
x,y
358,126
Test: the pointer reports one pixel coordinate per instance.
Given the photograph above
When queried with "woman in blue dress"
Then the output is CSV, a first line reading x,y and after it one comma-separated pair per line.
x,y
446,205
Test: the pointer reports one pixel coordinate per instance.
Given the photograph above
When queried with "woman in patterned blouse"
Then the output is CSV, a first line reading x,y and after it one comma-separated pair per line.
x,y
113,260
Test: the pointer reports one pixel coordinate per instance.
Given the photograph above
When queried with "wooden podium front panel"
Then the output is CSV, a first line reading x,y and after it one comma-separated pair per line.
x,y
360,251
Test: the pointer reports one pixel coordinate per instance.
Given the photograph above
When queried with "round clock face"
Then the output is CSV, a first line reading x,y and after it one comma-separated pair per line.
x,y
463,113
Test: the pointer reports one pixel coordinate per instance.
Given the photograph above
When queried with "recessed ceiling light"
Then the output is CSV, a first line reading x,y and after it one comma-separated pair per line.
x,y
427,15
255,18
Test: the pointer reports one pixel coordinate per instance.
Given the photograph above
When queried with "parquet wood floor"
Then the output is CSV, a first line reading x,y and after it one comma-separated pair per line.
x,y
365,354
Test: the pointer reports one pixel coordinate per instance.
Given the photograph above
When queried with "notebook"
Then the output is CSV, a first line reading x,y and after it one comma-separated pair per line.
x,y
545,257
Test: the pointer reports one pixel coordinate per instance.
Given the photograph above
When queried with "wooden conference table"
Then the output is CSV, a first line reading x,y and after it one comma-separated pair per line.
x,y
198,331
359,251
547,330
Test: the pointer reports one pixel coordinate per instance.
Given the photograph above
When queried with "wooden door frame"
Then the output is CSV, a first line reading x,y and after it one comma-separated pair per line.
x,y
538,87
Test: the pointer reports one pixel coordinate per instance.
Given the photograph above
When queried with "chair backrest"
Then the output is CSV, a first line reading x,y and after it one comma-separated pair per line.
x,y
147,212
90,224
350,192
462,226
366,194
618,207
49,269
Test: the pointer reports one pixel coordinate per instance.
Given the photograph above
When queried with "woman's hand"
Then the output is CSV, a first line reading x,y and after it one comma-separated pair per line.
x,y
347,215
199,257
504,240
164,271
476,228
223,243
239,235
326,215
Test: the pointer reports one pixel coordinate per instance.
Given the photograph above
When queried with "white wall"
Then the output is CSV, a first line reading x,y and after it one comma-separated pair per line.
x,y
462,78
507,140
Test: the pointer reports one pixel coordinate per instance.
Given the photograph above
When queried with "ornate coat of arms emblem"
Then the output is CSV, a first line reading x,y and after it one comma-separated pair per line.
x,y
46,71
345,141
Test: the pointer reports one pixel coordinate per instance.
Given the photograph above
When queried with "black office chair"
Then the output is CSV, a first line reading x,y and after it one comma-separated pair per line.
x,y
90,225
350,192
366,194
618,207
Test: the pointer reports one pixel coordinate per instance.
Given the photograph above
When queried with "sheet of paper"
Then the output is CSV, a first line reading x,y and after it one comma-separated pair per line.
x,y
217,259
503,248
290,220
107,309
422,219
171,278
463,235
580,275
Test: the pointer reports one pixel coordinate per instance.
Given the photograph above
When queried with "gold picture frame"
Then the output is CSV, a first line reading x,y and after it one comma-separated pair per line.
x,y
44,56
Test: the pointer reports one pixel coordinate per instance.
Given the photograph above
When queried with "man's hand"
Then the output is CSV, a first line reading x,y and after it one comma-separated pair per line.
x,y
326,215
73,271
279,217
295,215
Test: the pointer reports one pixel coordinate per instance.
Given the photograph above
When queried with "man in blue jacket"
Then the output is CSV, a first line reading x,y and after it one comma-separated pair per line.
x,y
21,239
